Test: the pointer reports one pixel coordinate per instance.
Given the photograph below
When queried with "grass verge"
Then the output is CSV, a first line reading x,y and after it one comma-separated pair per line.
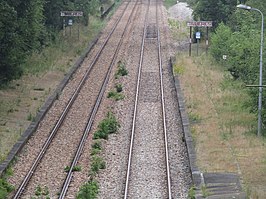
x,y
222,128
21,99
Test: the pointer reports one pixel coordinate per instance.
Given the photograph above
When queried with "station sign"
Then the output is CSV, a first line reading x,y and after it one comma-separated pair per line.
x,y
71,13
199,24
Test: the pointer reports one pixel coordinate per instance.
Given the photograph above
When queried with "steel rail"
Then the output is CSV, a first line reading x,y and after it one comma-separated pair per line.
x,y
95,109
63,115
136,103
163,107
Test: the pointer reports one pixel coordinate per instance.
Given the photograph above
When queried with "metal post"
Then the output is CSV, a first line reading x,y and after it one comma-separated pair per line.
x,y
197,47
64,27
260,79
207,40
245,7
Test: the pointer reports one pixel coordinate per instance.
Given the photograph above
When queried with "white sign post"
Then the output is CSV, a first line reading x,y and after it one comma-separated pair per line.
x,y
198,38
70,21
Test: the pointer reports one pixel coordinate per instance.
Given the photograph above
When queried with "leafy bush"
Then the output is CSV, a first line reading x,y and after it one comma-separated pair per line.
x,y
75,168
5,188
115,95
118,88
97,164
88,190
121,71
242,55
96,148
107,126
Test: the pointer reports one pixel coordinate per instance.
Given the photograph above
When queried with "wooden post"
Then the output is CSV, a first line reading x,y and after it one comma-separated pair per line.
x,y
190,40
207,40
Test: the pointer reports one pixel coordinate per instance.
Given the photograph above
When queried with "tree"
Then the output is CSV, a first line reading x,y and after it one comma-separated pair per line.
x,y
11,52
214,10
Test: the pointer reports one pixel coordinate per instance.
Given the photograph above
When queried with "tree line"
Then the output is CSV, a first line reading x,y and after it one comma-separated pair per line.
x,y
30,25
237,34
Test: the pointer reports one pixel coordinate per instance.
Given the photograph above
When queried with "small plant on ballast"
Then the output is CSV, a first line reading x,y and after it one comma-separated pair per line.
x,y
89,190
115,95
75,168
97,164
121,71
107,126
96,147
118,88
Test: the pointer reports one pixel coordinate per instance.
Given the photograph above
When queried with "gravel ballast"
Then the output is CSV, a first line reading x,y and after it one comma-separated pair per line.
x,y
150,166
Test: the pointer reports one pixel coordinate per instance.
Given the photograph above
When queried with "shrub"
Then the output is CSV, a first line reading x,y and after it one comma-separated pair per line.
x,y
97,164
5,188
88,190
107,126
121,71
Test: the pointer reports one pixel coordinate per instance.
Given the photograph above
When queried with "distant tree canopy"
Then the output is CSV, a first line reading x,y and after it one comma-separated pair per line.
x,y
25,26
213,10
237,34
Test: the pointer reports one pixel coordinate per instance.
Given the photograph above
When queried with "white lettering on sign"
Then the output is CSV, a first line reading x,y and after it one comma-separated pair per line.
x,y
71,14
199,24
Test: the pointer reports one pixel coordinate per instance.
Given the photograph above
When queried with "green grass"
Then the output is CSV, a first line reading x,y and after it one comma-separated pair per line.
x,y
5,188
192,192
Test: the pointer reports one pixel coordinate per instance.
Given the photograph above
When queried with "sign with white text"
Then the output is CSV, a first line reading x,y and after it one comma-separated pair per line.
x,y
71,13
199,24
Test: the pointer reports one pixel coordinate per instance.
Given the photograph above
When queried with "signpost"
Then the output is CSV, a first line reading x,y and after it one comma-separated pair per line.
x,y
70,21
198,38
206,24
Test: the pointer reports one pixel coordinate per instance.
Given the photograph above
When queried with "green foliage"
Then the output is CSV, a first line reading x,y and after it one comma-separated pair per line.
x,y
121,71
97,164
192,192
5,188
107,126
118,88
11,52
75,168
115,95
42,191
240,41
204,191
96,147
28,26
216,11
88,190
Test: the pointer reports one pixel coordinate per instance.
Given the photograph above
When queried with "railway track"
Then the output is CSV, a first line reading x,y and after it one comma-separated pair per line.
x,y
148,171
65,124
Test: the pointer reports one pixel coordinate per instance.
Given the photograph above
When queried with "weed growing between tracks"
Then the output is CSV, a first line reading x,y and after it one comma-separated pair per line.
x,y
107,126
223,128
